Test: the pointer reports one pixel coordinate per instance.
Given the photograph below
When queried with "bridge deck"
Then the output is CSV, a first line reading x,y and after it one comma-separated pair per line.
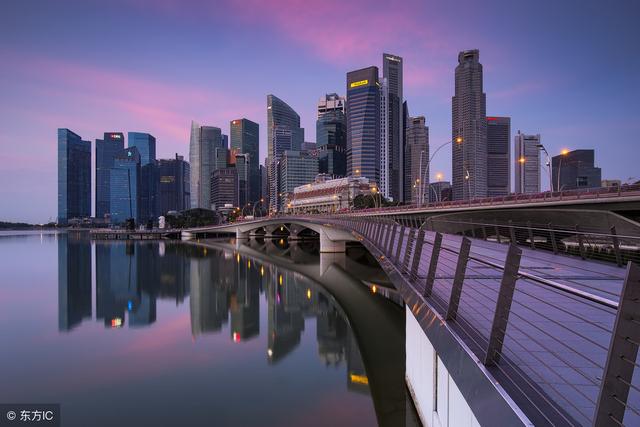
x,y
555,342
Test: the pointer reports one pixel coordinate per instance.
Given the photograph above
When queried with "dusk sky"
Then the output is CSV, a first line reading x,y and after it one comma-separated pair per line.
x,y
569,70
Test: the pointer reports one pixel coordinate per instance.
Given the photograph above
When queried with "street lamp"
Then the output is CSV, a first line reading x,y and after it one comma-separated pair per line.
x,y
457,140
563,153
254,206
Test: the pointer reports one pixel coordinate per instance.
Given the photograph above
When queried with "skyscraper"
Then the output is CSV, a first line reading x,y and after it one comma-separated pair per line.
x,y
245,140
204,140
469,122
74,176
574,170
243,168
106,151
392,72
331,135
174,182
527,163
363,123
126,186
385,173
224,187
296,168
498,156
283,133
416,167
146,145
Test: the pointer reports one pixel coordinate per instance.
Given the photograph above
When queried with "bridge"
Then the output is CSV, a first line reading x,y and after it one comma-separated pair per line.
x,y
501,329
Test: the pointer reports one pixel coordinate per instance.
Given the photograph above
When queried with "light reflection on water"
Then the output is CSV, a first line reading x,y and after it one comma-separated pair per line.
x,y
167,333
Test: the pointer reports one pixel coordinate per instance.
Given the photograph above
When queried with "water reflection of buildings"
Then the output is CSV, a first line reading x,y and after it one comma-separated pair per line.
x,y
223,286
130,277
74,281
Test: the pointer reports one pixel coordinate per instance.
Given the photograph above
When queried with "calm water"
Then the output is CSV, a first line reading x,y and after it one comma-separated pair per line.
x,y
167,333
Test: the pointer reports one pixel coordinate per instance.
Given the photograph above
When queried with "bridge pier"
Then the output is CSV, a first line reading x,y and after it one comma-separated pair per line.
x,y
331,246
241,235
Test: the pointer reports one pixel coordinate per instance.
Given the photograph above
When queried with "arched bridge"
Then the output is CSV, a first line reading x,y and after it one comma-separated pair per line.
x,y
501,331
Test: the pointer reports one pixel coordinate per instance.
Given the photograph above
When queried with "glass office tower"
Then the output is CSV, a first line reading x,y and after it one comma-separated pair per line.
x,y
331,135
125,186
202,150
363,123
74,176
106,150
245,140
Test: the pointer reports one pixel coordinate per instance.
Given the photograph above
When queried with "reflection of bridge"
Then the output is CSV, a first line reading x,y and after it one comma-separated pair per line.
x,y
369,318
496,333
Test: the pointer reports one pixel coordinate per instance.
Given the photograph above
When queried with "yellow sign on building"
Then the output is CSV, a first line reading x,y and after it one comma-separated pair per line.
x,y
359,83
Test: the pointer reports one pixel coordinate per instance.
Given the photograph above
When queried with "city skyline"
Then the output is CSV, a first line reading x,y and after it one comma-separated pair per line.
x,y
126,86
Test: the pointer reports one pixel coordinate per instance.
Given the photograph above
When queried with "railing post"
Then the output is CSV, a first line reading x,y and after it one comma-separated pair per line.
x,y
616,245
503,305
458,279
484,232
392,240
407,252
552,236
400,242
623,350
387,236
512,232
417,253
580,242
532,242
433,264
497,231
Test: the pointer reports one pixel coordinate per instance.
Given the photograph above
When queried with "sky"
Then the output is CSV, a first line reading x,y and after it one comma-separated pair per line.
x,y
565,69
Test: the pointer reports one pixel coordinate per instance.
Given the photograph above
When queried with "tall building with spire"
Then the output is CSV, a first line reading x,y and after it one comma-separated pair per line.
x,y
469,122
202,149
392,74
363,123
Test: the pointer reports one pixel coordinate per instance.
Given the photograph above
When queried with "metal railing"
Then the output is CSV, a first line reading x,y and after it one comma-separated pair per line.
x,y
528,198
559,333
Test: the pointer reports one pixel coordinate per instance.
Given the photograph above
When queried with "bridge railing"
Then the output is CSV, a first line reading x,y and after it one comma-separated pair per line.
x,y
560,334
586,242
525,198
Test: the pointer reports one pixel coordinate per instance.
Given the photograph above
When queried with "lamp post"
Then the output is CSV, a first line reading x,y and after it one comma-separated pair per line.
x,y
254,206
563,153
457,140
548,163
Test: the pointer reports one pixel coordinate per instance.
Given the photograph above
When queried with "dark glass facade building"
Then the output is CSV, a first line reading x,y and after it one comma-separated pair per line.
x,y
392,72
224,187
331,136
106,150
146,145
498,156
363,123
173,185
126,186
74,176
575,170
245,140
